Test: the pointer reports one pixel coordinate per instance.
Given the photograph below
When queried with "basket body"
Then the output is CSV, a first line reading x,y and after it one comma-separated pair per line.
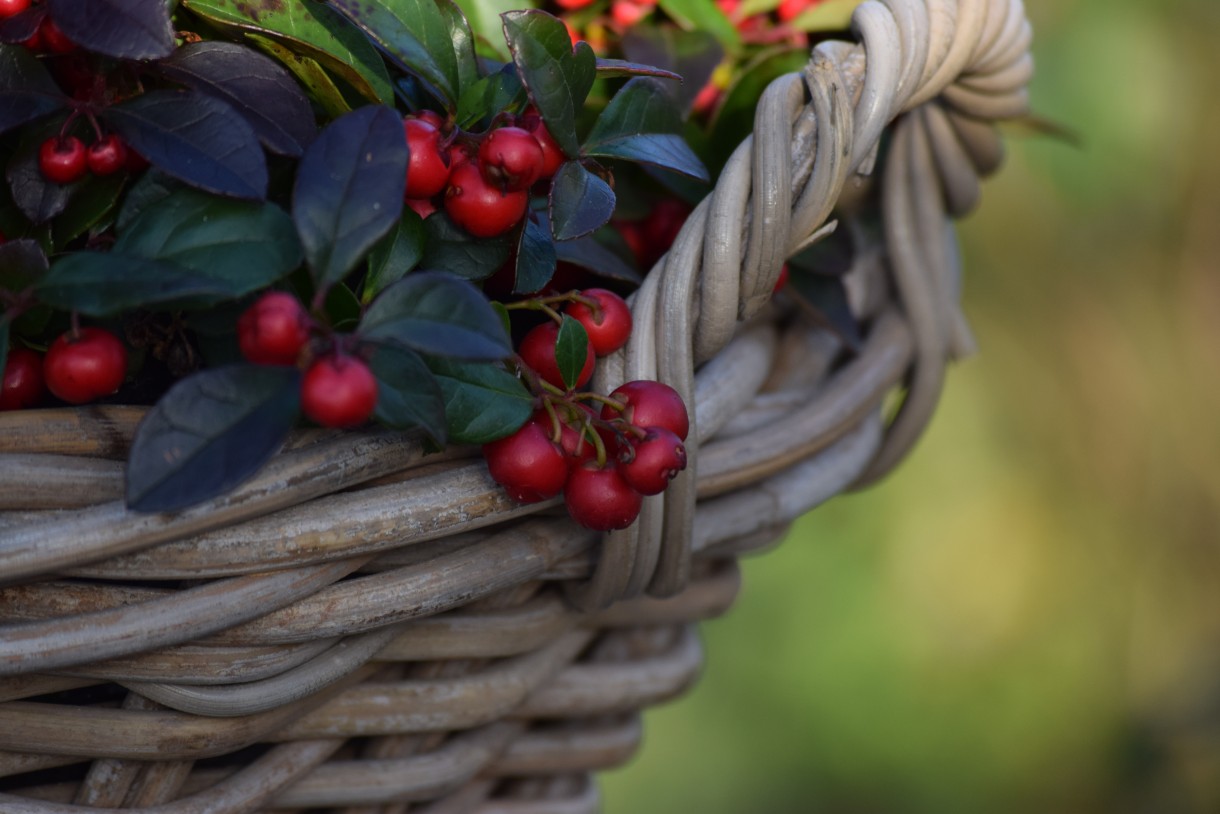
x,y
366,628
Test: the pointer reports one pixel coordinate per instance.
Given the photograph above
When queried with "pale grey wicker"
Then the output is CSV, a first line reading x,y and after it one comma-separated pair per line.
x,y
363,628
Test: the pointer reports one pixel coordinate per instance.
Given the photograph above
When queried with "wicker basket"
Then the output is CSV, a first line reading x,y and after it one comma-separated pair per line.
x,y
366,628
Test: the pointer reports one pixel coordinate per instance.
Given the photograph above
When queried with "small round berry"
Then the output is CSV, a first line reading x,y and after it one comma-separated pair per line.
x,y
480,208
274,330
628,13
85,366
576,448
62,160
528,464
658,458
650,404
537,350
608,324
511,158
431,117
11,8
106,156
338,391
600,499
22,385
54,40
427,166
552,155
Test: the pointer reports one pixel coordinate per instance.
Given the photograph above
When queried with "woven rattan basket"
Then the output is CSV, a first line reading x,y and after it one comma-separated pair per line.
x,y
366,628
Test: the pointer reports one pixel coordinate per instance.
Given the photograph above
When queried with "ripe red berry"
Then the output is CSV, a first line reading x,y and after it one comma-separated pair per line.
x,y
11,8
274,330
628,13
338,391
528,464
782,279
650,404
600,499
431,117
511,158
576,448
659,457
22,385
427,166
537,350
53,39
106,156
479,207
86,366
62,160
552,155
608,325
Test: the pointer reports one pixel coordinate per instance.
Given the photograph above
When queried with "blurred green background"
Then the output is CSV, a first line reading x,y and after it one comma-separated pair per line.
x,y
1026,615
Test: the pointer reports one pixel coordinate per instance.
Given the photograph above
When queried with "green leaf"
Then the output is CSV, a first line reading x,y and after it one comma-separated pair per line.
x,y
436,313
92,203
426,37
245,244
557,75
580,202
665,150
483,402
209,433
571,350
408,395
394,255
349,190
309,29
103,284
484,18
318,84
451,248
488,96
535,257
152,187
695,15
641,124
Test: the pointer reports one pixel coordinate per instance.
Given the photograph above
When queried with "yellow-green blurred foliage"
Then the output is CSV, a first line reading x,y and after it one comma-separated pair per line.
x,y
1025,616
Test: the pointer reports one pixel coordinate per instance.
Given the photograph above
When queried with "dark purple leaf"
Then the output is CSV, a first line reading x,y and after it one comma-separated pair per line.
x,y
196,138
252,84
612,68
125,29
27,91
102,284
37,198
439,314
349,190
209,433
594,257
665,150
20,27
408,395
535,257
451,248
580,202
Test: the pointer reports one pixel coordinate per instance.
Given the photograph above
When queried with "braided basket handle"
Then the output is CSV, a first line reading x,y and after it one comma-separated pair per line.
x,y
941,72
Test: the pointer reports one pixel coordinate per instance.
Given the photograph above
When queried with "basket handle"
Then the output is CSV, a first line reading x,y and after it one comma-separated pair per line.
x,y
938,74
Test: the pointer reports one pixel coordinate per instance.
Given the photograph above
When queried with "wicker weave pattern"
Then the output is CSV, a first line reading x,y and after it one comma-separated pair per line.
x,y
369,630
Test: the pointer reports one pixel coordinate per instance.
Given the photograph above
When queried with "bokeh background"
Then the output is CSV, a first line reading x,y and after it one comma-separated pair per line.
x,y
1026,615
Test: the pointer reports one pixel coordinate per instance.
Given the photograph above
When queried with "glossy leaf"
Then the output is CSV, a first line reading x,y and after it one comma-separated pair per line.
x,y
535,257
571,350
439,314
588,253
349,190
451,248
310,29
485,23
483,401
641,124
103,284
488,96
557,74
667,151
195,138
124,29
209,433
394,255
93,204
616,68
408,396
247,245
27,91
152,187
580,202
257,87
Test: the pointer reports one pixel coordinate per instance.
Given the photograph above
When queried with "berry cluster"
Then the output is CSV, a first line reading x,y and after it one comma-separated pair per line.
x,y
338,388
47,37
483,180
65,158
82,365
603,460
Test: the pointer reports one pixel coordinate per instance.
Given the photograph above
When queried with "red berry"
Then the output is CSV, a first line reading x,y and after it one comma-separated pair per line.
x,y
572,5
609,325
789,10
86,366
53,39
106,156
338,391
22,384
511,158
650,404
528,464
628,13
427,167
576,448
62,160
600,499
537,350
274,330
782,279
480,208
11,8
552,154
431,117
659,457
